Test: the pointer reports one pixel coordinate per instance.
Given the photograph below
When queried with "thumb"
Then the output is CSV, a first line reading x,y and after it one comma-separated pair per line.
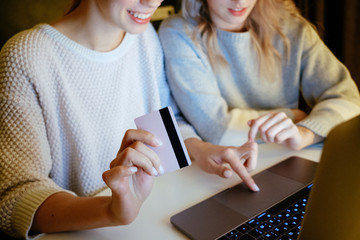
x,y
219,170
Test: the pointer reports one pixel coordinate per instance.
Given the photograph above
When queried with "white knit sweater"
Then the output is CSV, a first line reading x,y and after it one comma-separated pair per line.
x,y
64,111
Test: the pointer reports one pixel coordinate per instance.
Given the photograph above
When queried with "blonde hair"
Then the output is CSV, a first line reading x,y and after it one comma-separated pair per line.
x,y
263,24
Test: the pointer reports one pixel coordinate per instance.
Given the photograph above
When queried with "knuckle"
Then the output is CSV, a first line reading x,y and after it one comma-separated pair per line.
x,y
128,133
288,121
154,160
268,132
113,162
137,145
262,128
282,115
252,146
255,122
147,135
104,177
228,153
127,152
270,135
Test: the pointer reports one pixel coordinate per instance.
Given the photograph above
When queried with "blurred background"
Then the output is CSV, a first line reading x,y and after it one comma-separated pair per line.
x,y
336,21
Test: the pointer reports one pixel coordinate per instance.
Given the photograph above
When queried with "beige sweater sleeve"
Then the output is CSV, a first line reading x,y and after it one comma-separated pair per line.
x,y
25,159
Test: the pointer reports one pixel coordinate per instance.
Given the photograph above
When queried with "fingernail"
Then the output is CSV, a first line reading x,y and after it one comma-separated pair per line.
x,y
158,142
133,169
161,170
154,171
256,188
227,173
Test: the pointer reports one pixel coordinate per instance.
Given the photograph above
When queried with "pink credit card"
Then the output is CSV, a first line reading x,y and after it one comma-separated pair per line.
x,y
162,123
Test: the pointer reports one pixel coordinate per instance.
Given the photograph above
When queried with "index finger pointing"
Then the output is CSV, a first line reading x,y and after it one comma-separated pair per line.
x,y
235,163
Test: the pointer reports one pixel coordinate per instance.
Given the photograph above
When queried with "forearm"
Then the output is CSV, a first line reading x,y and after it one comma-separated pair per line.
x,y
65,212
328,89
329,113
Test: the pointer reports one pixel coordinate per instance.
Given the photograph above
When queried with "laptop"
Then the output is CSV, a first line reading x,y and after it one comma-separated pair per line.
x,y
328,190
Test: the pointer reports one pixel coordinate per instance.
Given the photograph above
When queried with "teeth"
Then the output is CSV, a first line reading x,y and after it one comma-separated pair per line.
x,y
140,15
238,9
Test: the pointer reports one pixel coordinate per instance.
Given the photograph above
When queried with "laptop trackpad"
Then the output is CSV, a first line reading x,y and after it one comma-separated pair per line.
x,y
273,188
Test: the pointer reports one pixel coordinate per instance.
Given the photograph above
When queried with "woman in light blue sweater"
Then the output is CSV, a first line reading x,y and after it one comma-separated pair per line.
x,y
232,65
69,94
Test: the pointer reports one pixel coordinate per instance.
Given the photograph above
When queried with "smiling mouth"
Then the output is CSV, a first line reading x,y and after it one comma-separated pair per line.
x,y
142,16
237,11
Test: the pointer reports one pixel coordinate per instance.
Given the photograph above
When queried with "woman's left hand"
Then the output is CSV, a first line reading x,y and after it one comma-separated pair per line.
x,y
278,128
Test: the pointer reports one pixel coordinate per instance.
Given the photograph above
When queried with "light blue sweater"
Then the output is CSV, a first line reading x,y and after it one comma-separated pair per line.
x,y
64,111
219,106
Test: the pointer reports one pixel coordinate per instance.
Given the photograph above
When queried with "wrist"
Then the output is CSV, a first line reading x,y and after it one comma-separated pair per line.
x,y
299,115
194,145
110,216
122,208
308,137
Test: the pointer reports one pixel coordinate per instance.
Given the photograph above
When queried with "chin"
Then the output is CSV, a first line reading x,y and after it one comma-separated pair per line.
x,y
137,30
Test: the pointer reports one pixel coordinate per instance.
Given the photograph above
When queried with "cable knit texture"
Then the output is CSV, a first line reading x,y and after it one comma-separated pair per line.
x,y
220,105
64,112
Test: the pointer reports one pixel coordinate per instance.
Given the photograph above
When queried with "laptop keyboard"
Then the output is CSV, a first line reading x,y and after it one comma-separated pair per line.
x,y
280,222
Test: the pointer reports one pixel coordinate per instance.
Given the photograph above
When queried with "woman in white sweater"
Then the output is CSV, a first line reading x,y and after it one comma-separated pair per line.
x,y
69,93
246,63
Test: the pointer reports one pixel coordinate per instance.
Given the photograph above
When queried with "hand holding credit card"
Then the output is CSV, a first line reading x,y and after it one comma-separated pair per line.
x,y
162,123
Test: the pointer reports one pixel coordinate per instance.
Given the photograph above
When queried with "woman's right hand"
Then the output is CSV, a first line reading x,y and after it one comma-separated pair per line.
x,y
213,159
137,161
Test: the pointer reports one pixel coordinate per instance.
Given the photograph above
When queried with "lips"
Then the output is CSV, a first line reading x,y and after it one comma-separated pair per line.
x,y
237,11
139,17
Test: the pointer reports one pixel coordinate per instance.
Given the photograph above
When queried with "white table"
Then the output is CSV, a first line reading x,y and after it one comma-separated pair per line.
x,y
176,191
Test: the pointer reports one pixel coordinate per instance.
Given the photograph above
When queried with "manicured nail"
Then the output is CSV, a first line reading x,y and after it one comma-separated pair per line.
x,y
154,171
158,142
133,169
161,170
227,173
256,188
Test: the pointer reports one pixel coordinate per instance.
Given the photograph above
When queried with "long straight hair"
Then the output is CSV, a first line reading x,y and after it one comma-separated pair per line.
x,y
263,24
